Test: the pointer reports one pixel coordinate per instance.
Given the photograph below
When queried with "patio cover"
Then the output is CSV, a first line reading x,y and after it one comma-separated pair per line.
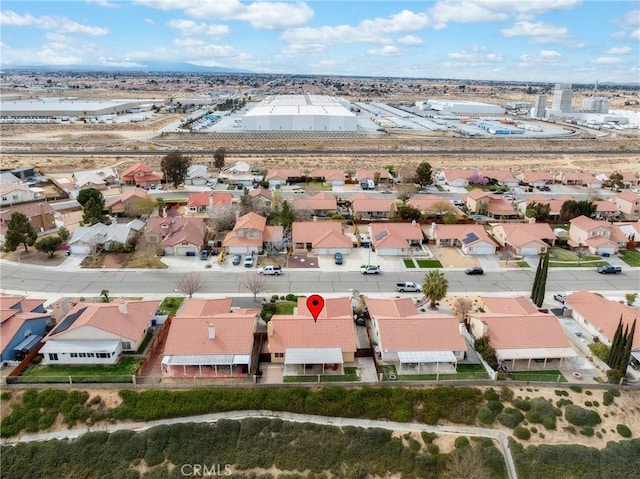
x,y
636,354
28,343
206,359
427,357
538,353
105,346
313,356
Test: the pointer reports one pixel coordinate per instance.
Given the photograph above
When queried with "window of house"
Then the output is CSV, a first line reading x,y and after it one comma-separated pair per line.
x,y
83,355
126,345
279,355
53,356
4,198
74,355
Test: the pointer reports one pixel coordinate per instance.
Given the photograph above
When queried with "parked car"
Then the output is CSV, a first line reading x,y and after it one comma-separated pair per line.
x,y
337,258
248,261
236,259
473,271
298,190
204,254
271,270
609,269
408,286
559,297
370,269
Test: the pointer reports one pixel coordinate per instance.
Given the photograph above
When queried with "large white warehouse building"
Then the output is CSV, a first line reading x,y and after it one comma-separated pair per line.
x,y
300,113
461,107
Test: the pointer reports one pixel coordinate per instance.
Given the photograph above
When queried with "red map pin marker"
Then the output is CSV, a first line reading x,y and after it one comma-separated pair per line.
x,y
315,304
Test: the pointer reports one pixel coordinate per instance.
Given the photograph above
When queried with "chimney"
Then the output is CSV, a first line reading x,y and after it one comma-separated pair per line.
x,y
211,201
432,231
315,219
269,328
212,331
122,306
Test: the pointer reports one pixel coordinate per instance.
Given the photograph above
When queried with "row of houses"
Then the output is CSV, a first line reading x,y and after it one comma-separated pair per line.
x,y
208,337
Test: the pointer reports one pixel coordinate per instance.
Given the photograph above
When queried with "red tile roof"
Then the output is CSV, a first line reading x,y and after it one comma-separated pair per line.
x,y
205,307
303,332
206,198
519,305
319,202
311,231
364,205
391,308
395,235
533,331
521,234
334,308
421,333
283,174
327,174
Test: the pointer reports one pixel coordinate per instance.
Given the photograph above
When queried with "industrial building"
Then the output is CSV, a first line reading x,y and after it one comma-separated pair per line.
x,y
460,107
562,98
300,113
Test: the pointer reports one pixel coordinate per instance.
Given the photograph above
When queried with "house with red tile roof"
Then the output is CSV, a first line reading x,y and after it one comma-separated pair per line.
x,y
98,333
176,235
628,204
600,317
480,202
205,307
392,308
123,204
606,210
320,237
599,236
525,239
283,176
262,198
364,206
306,346
140,174
433,206
334,308
250,234
579,179
519,305
383,173
536,178
23,323
501,177
330,177
217,345
520,338
208,202
457,177
471,239
321,204
555,204
395,239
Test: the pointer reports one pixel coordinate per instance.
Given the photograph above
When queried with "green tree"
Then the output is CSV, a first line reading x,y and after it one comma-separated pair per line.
x,y
435,287
49,245
105,295
616,181
408,212
572,209
93,212
424,174
140,207
539,211
19,232
160,204
85,195
218,157
63,233
175,166
540,281
286,216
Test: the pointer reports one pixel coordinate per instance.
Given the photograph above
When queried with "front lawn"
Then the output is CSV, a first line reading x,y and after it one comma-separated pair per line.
x,y
429,263
93,261
120,372
285,307
630,256
562,258
409,263
170,304
522,264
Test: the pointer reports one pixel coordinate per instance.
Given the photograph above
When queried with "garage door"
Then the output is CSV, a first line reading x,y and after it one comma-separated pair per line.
x,y
607,250
529,251
482,250
78,249
186,250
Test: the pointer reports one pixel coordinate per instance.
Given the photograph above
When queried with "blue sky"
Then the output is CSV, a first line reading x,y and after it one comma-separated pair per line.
x,y
522,40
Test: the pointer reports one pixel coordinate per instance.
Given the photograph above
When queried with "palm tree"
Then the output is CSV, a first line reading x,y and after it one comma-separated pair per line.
x,y
435,286
160,204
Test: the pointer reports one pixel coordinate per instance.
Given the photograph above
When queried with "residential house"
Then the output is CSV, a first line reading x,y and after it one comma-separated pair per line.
x,y
600,237
606,210
457,177
176,236
381,175
250,234
98,333
628,204
7,177
210,343
480,202
555,204
500,177
321,204
396,239
124,204
140,174
433,206
262,198
328,176
238,174
521,338
600,317
279,177
14,193
197,175
334,308
471,239
525,239
208,202
629,179
536,179
518,305
320,237
363,206
90,239
415,343
23,323
205,307
631,231
579,179
99,178
40,215
308,347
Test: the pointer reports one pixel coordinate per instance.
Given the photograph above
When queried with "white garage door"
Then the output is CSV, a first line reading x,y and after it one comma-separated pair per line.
x,y
79,249
482,250
606,250
186,250
529,251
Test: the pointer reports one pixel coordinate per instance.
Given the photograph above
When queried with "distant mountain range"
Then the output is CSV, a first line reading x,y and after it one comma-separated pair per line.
x,y
150,67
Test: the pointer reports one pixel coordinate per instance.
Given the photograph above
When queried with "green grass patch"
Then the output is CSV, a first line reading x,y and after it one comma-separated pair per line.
x,y
349,375
522,264
409,263
541,376
285,307
170,304
429,263
630,256
465,371
120,372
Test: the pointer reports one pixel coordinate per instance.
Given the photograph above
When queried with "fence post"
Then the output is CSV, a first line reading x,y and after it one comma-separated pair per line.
x,y
70,380
133,378
318,378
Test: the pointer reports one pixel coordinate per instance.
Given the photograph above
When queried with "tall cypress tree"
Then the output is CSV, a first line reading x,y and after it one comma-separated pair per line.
x,y
626,354
614,352
534,288
540,283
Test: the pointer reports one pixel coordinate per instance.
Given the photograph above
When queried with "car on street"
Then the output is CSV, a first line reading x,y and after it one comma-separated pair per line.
x,y
204,254
236,259
409,286
370,269
337,258
271,270
475,270
298,190
559,297
609,269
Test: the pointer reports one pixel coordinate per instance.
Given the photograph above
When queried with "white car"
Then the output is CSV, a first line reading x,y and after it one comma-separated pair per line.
x,y
559,297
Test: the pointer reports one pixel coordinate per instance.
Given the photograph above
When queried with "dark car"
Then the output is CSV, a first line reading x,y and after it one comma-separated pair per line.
x,y
236,259
473,271
204,254
337,258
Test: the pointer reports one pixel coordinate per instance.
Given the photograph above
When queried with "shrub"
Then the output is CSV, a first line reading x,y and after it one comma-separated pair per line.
x,y
491,395
576,389
614,392
506,394
495,406
623,430
291,297
588,393
599,435
596,404
561,392
563,402
587,431
600,351
433,449
461,442
522,404
5,395
581,417
414,445
534,429
522,433
510,417
486,415
588,403
429,437
543,412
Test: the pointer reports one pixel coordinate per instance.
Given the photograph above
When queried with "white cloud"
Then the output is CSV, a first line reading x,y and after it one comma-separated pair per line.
x,y
476,11
619,50
410,40
539,32
112,62
261,15
189,27
104,3
544,56
475,55
150,21
196,48
60,24
607,60
386,51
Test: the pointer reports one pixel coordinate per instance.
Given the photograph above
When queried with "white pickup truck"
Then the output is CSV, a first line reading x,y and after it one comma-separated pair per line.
x,y
409,286
271,270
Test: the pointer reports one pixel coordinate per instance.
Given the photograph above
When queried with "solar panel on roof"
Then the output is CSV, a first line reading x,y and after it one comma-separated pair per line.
x,y
470,238
68,321
382,234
